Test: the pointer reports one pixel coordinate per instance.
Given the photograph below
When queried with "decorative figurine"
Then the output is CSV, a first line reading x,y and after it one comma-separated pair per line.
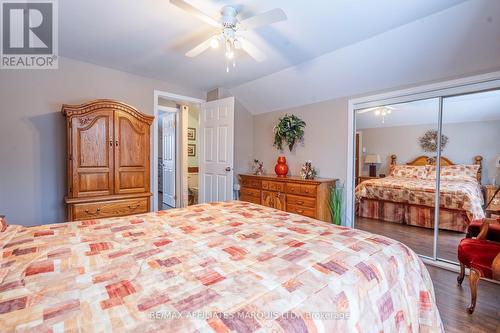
x,y
258,167
308,171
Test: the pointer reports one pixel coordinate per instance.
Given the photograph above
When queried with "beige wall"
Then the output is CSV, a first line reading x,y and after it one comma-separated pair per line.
x,y
465,141
193,120
32,135
325,138
243,139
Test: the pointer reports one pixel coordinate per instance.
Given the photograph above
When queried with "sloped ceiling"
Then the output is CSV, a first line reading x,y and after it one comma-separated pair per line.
x,y
460,40
326,48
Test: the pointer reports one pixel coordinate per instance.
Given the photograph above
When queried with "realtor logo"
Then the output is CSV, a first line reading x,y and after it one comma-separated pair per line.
x,y
29,34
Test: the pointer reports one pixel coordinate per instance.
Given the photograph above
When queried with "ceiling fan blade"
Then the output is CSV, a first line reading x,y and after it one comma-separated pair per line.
x,y
270,17
252,50
197,50
196,12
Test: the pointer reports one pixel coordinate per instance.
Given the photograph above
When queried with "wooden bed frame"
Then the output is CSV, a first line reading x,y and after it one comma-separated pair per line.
x,y
427,160
417,215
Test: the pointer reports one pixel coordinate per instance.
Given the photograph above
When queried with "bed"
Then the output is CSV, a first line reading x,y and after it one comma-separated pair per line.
x,y
407,195
219,267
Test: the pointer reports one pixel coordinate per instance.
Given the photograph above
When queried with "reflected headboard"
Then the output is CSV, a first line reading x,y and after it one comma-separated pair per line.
x,y
428,160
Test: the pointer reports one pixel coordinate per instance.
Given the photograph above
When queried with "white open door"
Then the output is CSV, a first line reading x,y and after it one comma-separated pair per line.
x,y
168,140
217,150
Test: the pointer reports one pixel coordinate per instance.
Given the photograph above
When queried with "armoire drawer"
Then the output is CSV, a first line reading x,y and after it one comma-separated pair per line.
x,y
97,210
301,201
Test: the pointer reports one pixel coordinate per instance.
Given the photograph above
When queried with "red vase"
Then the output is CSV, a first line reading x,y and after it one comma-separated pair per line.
x,y
281,167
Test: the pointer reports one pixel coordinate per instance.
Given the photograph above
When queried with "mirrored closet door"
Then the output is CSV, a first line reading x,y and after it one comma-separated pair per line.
x,y
393,148
426,168
470,150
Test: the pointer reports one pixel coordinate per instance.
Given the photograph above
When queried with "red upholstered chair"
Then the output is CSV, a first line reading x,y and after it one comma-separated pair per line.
x,y
493,229
481,256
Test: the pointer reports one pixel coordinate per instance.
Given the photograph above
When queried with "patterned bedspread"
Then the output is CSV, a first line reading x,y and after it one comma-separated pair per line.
x,y
454,194
217,267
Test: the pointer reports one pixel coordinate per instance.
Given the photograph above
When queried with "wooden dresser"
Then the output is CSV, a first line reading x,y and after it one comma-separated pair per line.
x,y
108,163
291,194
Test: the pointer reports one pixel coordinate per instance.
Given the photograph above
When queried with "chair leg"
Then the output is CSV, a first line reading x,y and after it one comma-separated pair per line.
x,y
461,276
473,281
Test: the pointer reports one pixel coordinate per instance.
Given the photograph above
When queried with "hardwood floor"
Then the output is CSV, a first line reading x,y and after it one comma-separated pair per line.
x,y
418,239
452,301
161,205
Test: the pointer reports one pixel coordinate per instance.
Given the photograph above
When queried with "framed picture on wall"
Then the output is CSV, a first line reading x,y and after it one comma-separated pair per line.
x,y
191,150
191,133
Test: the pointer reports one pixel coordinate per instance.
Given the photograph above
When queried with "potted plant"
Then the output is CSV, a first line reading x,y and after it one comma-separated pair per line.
x,y
289,129
335,204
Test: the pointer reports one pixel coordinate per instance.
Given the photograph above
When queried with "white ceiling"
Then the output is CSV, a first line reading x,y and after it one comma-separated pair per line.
x,y
150,37
483,106
342,46
463,39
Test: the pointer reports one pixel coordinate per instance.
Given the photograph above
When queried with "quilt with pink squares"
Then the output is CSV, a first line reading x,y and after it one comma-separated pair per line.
x,y
219,267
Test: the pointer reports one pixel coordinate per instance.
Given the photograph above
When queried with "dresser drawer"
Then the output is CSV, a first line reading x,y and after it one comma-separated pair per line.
x,y
293,188
309,190
97,210
301,189
273,186
301,201
250,192
309,212
251,182
251,199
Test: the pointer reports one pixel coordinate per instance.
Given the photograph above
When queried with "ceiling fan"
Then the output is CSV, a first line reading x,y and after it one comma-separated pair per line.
x,y
229,25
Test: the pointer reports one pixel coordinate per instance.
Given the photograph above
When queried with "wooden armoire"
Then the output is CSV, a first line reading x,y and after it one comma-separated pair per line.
x,y
108,160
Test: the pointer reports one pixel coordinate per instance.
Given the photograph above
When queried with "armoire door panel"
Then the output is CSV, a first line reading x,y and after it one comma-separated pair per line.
x,y
132,180
93,141
131,134
92,155
131,154
94,181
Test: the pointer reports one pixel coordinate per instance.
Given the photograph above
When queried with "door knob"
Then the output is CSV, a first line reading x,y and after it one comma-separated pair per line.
x,y
228,169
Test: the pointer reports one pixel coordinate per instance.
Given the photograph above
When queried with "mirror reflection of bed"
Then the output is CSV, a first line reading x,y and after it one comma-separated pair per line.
x,y
396,148
401,205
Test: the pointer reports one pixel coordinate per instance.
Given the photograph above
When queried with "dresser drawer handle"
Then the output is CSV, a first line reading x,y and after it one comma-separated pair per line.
x,y
300,211
300,202
133,207
96,212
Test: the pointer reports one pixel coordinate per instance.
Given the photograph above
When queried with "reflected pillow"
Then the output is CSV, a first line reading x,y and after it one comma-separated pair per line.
x,y
454,172
409,171
3,224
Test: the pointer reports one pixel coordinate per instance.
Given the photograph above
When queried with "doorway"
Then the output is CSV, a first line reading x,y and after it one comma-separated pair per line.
x,y
167,135
204,150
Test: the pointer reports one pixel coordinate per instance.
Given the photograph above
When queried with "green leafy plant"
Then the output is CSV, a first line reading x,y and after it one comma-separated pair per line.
x,y
335,204
289,129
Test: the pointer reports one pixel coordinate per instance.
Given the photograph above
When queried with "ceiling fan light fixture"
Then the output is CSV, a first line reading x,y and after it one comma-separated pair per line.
x,y
214,43
229,25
